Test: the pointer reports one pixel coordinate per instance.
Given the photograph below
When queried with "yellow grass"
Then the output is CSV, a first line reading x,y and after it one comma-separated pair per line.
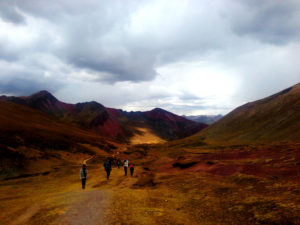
x,y
151,196
146,137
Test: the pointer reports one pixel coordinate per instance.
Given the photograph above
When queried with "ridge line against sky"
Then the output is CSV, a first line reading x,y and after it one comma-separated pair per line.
x,y
188,57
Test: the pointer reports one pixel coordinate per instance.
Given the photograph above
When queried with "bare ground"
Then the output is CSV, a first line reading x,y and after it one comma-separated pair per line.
x,y
88,210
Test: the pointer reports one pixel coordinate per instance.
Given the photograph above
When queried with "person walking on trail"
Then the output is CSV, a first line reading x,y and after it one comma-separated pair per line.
x,y
118,163
126,162
107,167
131,167
83,175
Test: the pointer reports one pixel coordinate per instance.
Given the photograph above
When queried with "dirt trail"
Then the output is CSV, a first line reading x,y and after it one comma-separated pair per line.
x,y
88,210
85,160
75,206
89,207
62,201
92,203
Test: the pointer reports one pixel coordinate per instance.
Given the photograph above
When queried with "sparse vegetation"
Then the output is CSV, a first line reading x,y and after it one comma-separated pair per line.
x,y
197,180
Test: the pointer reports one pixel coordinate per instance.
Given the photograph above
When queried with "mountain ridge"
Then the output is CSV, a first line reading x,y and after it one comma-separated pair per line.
x,y
271,119
114,123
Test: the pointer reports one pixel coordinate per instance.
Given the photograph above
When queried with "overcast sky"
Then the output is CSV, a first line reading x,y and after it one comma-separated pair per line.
x,y
188,57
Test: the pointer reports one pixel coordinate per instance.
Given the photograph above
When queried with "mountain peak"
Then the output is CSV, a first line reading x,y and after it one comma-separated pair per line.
x,y
158,110
43,95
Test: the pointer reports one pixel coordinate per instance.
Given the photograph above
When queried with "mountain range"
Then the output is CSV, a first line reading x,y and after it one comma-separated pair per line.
x,y
275,118
110,122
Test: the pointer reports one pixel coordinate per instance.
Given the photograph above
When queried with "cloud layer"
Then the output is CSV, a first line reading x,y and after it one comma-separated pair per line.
x,y
190,57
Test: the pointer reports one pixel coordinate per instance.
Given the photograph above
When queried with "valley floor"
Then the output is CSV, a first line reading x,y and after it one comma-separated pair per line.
x,y
182,188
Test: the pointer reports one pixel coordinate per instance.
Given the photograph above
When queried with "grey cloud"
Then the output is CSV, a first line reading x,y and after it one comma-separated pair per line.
x,y
115,68
101,39
18,81
23,86
64,10
275,22
93,37
8,54
185,95
9,12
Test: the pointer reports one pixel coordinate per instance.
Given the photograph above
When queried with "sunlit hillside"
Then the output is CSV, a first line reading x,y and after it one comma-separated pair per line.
x,y
146,136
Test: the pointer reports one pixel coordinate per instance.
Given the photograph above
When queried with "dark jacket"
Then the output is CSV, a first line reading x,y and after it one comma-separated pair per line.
x,y
107,165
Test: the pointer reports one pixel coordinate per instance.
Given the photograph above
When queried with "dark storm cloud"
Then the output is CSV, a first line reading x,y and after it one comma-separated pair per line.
x,y
25,82
103,38
269,21
115,68
9,12
112,40
92,36
23,86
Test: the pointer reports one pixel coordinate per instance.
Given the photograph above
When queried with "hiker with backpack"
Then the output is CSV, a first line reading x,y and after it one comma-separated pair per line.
x,y
126,162
83,175
107,167
131,167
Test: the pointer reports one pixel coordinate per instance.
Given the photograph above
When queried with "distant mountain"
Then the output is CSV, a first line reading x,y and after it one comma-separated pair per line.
x,y
272,119
168,125
43,101
87,115
207,119
27,134
114,123
22,124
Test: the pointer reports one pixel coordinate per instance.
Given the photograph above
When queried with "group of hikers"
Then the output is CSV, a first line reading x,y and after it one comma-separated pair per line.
x,y
108,167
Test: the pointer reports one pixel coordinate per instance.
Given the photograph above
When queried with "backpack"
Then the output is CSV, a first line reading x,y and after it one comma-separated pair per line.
x,y
107,165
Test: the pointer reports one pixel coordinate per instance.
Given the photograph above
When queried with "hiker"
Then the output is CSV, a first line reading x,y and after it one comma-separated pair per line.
x,y
83,175
125,166
107,167
118,163
131,167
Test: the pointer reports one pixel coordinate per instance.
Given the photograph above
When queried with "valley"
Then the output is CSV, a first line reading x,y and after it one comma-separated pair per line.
x,y
242,169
